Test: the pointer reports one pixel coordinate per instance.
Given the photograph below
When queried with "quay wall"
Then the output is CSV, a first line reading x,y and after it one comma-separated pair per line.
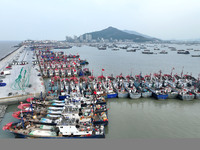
x,y
2,111
17,99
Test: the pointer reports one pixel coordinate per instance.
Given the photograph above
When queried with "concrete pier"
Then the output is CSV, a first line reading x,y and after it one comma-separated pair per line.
x,y
23,80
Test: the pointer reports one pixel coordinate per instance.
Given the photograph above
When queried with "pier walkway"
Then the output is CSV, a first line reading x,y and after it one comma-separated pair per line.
x,y
23,80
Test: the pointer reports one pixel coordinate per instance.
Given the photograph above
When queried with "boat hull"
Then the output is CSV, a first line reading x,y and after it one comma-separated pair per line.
x,y
197,95
172,95
186,97
146,94
122,95
112,95
105,123
18,135
134,95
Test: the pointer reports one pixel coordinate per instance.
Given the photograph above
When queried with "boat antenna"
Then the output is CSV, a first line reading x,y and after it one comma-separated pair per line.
x,y
198,77
172,70
41,95
102,72
182,72
31,106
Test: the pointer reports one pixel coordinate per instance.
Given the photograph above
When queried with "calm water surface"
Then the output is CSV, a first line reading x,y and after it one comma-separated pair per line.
x,y
142,118
6,47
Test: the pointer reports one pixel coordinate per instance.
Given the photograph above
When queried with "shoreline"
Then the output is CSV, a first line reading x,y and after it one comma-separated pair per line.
x,y
12,54
9,54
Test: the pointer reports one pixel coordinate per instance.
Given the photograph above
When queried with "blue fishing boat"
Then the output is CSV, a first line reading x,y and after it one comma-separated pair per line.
x,y
159,95
107,84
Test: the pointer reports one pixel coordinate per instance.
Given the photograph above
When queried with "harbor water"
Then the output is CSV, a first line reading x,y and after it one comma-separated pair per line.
x,y
7,47
142,118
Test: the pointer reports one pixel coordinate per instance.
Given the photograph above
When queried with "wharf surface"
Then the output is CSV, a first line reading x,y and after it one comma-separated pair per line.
x,y
15,90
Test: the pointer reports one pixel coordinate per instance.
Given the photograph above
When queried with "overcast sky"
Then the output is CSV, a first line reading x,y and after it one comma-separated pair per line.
x,y
54,19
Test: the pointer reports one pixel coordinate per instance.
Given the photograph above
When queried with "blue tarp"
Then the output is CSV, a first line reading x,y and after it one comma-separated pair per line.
x,y
2,84
62,97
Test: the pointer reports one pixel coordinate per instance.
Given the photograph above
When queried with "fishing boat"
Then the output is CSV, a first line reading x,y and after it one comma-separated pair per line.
x,y
147,52
159,94
146,93
141,85
163,52
100,100
171,92
195,55
109,88
183,52
186,96
64,87
65,129
100,119
69,72
119,88
132,90
102,48
115,49
98,88
131,50
86,72
156,48
197,94
91,78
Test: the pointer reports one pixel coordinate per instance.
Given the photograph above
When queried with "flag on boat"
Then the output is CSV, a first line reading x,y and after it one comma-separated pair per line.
x,y
102,69
7,126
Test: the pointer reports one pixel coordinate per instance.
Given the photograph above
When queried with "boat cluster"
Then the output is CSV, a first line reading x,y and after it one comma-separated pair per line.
x,y
145,48
157,85
58,64
69,116
69,110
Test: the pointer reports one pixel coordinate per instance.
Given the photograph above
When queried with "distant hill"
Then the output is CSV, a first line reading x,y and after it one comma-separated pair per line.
x,y
111,33
137,33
